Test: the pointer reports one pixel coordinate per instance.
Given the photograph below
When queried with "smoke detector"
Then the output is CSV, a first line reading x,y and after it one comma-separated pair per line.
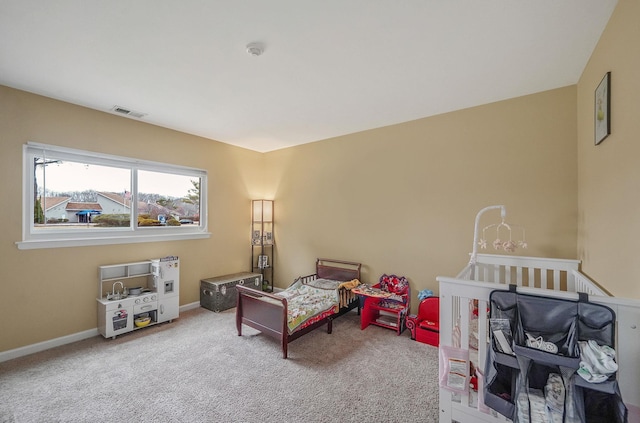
x,y
255,49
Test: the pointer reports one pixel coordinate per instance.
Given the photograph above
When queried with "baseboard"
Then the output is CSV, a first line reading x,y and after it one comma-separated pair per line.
x,y
45,345
189,306
63,340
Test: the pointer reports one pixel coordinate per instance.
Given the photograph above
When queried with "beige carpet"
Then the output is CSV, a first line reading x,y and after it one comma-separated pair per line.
x,y
197,369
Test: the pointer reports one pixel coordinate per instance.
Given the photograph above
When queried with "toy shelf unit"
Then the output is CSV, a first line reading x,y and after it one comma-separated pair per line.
x,y
136,295
380,313
262,241
388,311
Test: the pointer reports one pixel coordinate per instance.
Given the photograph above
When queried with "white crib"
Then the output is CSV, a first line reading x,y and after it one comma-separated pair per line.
x,y
538,276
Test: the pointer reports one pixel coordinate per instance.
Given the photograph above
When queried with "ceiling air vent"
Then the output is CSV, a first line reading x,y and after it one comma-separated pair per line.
x,y
127,112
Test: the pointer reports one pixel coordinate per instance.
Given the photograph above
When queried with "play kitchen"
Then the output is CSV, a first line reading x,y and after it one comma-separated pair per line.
x,y
136,295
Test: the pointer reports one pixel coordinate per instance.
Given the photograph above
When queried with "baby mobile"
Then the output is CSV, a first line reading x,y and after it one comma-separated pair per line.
x,y
504,234
508,245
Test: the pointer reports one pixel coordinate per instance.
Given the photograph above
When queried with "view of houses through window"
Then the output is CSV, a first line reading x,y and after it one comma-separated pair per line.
x,y
70,194
80,198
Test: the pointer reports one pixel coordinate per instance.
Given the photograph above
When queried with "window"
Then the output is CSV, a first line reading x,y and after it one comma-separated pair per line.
x,y
74,198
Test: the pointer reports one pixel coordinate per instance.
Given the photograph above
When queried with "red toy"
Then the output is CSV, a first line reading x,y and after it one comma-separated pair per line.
x,y
425,327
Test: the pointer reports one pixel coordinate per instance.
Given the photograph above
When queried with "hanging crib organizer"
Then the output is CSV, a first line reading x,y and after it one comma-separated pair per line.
x,y
552,360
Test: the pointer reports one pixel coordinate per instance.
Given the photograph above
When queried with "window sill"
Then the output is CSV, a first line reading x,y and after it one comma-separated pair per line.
x,y
84,242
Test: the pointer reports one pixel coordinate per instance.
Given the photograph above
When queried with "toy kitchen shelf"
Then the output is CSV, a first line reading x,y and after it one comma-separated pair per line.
x,y
121,272
157,299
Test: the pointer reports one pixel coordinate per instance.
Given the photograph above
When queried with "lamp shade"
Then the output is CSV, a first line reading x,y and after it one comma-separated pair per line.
x,y
263,210
257,211
267,211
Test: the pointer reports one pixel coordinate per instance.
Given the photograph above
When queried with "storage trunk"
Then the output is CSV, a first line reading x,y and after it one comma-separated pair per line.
x,y
219,293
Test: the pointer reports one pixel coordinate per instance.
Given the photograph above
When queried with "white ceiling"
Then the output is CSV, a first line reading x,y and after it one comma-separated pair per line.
x,y
329,67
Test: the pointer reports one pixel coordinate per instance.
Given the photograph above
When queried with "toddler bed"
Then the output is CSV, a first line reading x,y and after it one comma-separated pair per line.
x,y
464,325
310,302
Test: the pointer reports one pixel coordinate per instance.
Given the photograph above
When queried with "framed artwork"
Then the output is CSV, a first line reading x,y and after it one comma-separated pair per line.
x,y
602,109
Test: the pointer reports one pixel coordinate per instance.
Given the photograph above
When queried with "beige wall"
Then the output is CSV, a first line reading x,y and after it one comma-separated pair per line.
x,y
48,293
403,199
609,174
400,199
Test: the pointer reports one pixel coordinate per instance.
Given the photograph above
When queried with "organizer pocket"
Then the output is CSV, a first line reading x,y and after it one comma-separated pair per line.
x,y
544,323
602,407
503,321
504,306
544,394
500,378
501,335
551,360
596,322
499,392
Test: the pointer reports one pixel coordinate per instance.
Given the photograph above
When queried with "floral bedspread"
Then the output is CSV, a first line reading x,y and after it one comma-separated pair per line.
x,y
308,303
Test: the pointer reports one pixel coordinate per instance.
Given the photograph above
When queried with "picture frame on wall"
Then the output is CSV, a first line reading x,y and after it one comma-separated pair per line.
x,y
602,109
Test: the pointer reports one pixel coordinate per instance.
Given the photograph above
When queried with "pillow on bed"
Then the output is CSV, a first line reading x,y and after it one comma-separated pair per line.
x,y
323,284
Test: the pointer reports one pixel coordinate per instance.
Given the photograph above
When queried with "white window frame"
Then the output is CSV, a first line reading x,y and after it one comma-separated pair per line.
x,y
32,239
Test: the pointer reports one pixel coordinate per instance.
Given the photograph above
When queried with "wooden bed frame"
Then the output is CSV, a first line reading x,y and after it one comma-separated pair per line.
x,y
267,312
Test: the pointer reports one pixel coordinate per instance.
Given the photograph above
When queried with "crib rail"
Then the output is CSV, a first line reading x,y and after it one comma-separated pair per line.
x,y
532,272
583,284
